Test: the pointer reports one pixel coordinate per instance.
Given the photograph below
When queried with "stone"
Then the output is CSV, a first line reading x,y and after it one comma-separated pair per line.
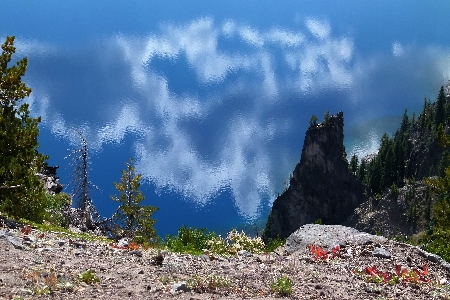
x,y
327,237
11,238
180,287
381,253
123,243
244,253
204,257
321,187
136,253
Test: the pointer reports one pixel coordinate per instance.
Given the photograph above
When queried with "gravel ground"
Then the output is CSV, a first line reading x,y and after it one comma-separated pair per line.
x,y
51,265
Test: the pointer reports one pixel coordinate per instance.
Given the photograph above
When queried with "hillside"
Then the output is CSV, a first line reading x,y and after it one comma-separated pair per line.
x,y
57,265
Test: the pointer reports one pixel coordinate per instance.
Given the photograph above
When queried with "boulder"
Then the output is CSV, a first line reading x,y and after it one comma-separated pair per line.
x,y
327,237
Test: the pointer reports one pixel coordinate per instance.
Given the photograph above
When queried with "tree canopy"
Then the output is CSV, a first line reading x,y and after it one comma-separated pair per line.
x,y
20,189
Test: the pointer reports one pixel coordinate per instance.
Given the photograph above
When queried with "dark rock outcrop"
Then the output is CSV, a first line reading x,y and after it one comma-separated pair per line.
x,y
50,180
321,187
403,212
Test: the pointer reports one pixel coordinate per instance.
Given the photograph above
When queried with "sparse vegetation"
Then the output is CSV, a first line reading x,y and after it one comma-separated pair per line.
x,y
207,284
234,243
282,286
88,277
189,240
273,244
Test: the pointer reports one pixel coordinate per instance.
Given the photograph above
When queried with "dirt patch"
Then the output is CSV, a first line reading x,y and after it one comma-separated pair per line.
x,y
53,266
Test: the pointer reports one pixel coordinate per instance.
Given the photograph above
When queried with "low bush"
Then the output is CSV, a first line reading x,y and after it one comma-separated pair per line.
x,y
189,240
234,243
282,286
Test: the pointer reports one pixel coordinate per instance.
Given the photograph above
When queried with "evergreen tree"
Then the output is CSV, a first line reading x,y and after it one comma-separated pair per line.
x,y
362,171
353,166
326,118
313,121
440,114
131,218
405,123
21,192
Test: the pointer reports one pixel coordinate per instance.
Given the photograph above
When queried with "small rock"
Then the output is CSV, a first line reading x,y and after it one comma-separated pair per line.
x,y
10,237
44,249
158,259
136,252
180,287
123,243
244,253
381,253
61,243
318,287
204,257
141,272
29,238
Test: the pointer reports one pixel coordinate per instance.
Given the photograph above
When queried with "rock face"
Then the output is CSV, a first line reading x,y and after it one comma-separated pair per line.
x,y
50,180
321,187
404,212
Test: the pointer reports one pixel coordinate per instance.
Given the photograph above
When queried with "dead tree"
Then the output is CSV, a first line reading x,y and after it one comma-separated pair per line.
x,y
84,215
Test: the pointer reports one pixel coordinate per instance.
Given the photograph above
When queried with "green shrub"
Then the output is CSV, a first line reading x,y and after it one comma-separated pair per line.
x,y
208,284
273,244
54,207
282,286
88,277
235,242
189,240
437,243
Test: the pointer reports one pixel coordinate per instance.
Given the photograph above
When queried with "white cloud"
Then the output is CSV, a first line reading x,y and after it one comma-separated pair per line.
x,y
318,28
238,133
157,116
397,49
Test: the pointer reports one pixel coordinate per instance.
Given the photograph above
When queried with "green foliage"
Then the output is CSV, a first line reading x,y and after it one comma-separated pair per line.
x,y
282,286
189,240
234,243
88,277
313,121
21,192
54,207
444,163
207,284
133,220
318,221
437,242
353,166
273,244
326,118
394,191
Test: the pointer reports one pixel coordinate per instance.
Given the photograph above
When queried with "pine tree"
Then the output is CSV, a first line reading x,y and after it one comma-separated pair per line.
x,y
439,117
21,192
133,220
353,166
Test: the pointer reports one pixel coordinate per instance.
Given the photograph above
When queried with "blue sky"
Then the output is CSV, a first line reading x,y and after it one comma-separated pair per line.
x,y
212,98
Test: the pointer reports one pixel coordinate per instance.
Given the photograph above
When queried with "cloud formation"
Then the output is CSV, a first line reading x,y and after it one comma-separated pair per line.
x,y
210,107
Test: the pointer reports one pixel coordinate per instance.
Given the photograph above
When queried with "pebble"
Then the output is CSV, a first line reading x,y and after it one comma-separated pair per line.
x,y
180,286
381,253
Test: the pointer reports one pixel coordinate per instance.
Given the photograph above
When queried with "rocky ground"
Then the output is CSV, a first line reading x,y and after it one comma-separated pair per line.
x,y
53,265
